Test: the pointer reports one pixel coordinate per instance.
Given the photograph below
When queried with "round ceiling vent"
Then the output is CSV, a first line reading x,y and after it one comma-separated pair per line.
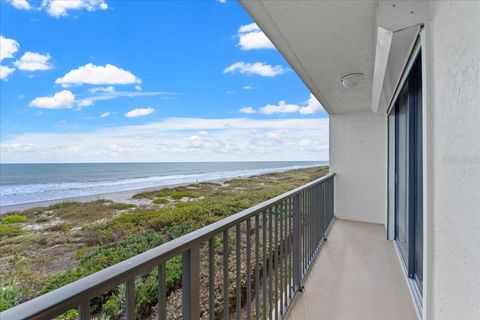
x,y
351,80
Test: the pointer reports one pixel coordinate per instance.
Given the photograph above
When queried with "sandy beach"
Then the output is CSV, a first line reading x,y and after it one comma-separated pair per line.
x,y
120,197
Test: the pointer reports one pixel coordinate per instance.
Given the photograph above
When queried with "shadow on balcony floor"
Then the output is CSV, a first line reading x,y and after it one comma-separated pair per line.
x,y
357,275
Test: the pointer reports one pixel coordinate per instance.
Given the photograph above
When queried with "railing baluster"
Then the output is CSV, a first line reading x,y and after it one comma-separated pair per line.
x,y
249,271
191,283
84,311
296,243
130,298
264,250
226,280
324,212
324,205
304,231
315,219
211,278
310,215
285,261
276,261
282,209
270,262
290,243
238,245
257,269
309,222
287,253
321,212
162,292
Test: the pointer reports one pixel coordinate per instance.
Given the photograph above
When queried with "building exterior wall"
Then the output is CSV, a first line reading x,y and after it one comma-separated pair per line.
x,y
453,138
358,156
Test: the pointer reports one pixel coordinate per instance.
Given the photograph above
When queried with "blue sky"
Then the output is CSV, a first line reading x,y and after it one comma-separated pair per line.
x,y
94,80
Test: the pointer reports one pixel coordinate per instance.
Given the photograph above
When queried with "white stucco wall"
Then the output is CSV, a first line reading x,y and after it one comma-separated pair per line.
x,y
358,157
453,117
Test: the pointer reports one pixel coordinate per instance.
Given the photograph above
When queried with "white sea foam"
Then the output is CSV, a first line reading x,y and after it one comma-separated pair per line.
x,y
29,193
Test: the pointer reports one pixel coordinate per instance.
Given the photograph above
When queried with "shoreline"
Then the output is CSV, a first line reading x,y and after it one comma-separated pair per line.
x,y
127,195
118,196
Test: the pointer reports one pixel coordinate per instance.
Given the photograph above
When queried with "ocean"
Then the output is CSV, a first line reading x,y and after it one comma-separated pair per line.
x,y
31,183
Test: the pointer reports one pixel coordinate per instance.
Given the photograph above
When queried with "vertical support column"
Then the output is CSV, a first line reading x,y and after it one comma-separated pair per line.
x,y
191,283
226,279
325,208
211,278
296,244
238,283
249,270
130,297
84,311
162,291
257,269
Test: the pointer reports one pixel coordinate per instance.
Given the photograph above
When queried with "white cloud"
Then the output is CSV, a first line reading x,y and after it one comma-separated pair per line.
x,y
84,103
101,89
172,139
33,61
247,110
97,75
138,88
5,72
58,8
281,107
60,100
108,93
139,112
257,68
250,37
273,136
248,87
20,4
105,114
309,107
306,142
194,138
8,47
222,1
248,28
313,106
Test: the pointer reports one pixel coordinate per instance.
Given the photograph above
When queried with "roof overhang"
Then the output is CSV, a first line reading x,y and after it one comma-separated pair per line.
x,y
323,41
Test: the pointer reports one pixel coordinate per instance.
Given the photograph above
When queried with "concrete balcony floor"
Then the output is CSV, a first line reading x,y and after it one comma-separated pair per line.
x,y
357,275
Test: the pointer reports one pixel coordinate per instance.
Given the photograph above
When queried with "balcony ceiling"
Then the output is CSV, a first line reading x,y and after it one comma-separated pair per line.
x,y
324,41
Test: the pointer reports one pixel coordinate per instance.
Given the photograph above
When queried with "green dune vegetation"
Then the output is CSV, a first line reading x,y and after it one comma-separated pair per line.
x,y
42,249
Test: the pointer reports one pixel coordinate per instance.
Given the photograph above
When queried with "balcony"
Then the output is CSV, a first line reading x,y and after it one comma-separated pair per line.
x,y
282,267
357,275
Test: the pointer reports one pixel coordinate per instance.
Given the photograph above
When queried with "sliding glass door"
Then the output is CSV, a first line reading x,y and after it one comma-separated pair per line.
x,y
405,124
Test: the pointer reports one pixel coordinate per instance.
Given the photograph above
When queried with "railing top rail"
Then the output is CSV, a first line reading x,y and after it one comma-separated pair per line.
x,y
71,295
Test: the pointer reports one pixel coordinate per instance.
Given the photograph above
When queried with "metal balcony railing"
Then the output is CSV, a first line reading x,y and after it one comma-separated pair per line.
x,y
276,243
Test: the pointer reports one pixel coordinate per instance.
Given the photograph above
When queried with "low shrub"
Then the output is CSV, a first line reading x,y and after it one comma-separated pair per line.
x,y
161,201
112,307
9,230
14,219
10,295
106,256
180,195
63,227
69,315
